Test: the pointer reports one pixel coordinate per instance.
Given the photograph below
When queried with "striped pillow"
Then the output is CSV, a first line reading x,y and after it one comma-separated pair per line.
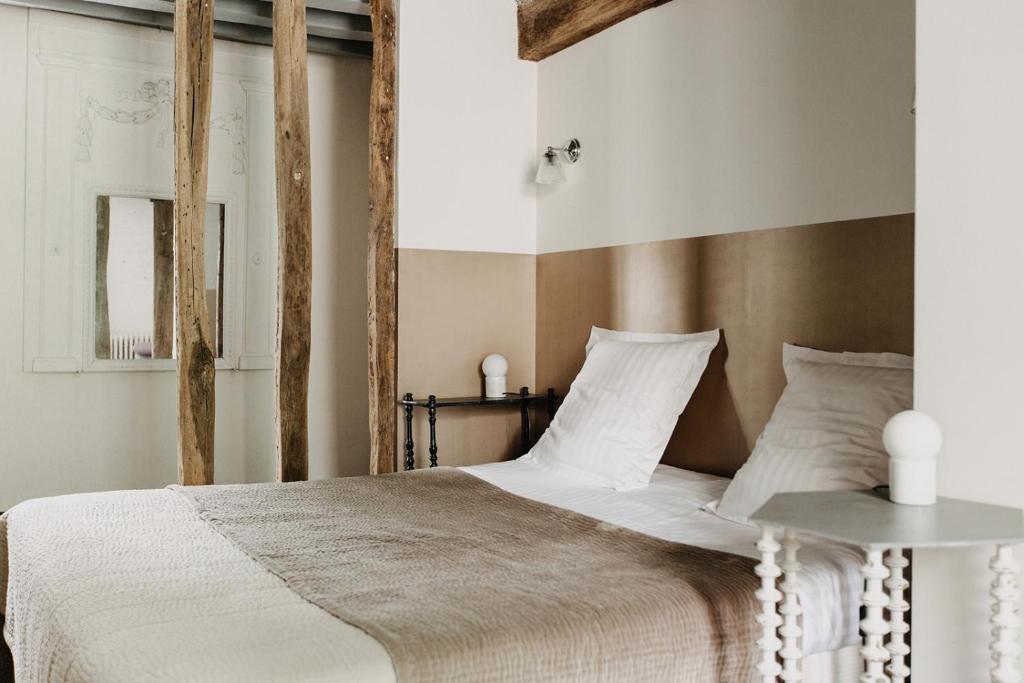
x,y
621,409
825,433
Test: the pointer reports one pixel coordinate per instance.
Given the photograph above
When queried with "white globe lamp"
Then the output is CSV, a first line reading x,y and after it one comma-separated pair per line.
x,y
495,368
913,440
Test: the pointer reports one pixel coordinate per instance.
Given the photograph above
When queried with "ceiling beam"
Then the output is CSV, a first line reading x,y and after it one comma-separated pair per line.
x,y
550,26
342,6
331,31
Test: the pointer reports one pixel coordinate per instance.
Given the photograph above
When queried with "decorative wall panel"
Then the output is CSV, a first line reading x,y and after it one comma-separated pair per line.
x,y
99,107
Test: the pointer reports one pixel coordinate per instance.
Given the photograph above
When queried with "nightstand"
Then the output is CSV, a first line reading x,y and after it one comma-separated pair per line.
x,y
432,403
884,530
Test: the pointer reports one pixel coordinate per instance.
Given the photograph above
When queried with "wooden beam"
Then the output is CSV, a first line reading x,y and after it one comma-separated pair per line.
x,y
102,337
295,239
549,26
163,278
382,264
335,26
193,62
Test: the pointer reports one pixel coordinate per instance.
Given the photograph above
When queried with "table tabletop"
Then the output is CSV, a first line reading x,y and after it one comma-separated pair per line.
x,y
869,519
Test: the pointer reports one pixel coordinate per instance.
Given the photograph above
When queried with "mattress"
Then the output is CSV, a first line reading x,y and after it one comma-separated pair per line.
x,y
145,590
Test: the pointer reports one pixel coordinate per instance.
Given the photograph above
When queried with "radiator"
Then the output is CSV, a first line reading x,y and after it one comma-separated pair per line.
x,y
130,346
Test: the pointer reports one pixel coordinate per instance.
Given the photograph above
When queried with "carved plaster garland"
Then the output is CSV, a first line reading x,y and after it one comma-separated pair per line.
x,y
159,95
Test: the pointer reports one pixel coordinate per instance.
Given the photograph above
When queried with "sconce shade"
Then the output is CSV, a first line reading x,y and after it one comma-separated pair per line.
x,y
550,170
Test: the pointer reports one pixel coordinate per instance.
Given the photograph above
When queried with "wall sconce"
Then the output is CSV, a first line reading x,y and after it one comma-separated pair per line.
x,y
550,170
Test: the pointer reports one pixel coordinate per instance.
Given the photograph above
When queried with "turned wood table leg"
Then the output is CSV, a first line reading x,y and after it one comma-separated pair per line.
x,y
874,626
524,407
791,631
410,452
1005,619
897,586
432,419
768,595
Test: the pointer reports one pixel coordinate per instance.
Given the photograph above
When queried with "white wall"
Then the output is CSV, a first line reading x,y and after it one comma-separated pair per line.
x,y
467,117
711,116
62,432
339,111
970,302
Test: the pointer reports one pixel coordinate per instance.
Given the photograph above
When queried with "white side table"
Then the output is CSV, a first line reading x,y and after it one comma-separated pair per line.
x,y
884,530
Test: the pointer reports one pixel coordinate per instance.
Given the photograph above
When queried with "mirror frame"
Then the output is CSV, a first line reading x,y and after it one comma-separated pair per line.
x,y
231,246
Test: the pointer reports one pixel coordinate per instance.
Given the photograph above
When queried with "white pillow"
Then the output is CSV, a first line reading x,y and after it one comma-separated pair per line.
x,y
621,409
825,433
791,353
600,334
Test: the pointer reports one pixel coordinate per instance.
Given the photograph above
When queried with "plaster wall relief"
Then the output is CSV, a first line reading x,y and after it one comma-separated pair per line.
x,y
153,101
102,100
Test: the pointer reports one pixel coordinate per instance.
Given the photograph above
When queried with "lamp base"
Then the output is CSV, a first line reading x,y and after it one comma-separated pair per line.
x,y
494,387
912,482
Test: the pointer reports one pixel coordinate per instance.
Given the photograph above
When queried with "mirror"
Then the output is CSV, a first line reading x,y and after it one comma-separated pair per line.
x,y
135,277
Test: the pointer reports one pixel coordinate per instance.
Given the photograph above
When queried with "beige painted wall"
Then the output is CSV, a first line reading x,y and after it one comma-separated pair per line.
x,y
839,286
698,118
701,117
970,303
339,110
62,433
455,308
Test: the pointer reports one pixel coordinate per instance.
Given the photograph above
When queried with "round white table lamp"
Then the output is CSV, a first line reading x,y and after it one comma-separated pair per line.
x,y
495,369
913,440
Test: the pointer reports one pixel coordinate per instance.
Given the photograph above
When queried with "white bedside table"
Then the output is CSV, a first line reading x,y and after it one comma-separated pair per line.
x,y
884,530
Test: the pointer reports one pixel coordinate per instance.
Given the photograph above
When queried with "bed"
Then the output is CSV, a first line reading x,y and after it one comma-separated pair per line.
x,y
359,579
150,586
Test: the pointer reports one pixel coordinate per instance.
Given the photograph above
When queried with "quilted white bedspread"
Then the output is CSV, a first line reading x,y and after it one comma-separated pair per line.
x,y
144,590
156,594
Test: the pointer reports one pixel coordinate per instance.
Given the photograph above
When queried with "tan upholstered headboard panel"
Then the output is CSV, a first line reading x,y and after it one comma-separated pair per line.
x,y
838,286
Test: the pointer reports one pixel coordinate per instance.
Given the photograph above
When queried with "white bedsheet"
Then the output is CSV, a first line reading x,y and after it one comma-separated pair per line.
x,y
670,508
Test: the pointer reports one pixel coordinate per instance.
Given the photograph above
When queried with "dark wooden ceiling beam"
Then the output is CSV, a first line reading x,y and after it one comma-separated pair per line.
x,y
549,26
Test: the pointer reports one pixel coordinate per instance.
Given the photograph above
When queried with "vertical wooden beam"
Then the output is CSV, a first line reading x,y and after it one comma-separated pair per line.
x,y
102,337
295,238
382,265
163,278
193,62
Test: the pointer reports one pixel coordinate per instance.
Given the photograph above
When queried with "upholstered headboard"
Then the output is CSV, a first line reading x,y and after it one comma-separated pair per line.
x,y
838,286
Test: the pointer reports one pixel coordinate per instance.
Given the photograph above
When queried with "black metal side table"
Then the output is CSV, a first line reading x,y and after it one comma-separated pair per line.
x,y
523,399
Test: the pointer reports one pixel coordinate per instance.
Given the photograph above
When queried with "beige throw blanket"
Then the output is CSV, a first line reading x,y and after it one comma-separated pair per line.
x,y
462,581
